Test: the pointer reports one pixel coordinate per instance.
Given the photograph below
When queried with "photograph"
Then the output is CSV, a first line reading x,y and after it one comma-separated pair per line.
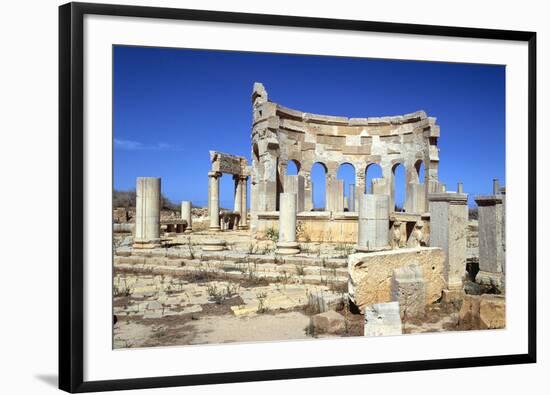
x,y
267,197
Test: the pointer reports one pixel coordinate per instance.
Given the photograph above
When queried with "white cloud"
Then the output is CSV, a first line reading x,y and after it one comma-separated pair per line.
x,y
130,145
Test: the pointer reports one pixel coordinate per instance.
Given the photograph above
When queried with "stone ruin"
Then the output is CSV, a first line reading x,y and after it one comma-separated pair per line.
x,y
402,260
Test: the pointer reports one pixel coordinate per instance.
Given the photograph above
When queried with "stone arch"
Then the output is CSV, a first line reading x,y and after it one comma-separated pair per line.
x,y
419,173
398,186
346,172
293,167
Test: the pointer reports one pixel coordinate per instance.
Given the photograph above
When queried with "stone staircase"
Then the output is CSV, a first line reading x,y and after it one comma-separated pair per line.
x,y
297,269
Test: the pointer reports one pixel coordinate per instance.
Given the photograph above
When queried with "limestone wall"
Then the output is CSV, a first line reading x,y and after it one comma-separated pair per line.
x,y
334,227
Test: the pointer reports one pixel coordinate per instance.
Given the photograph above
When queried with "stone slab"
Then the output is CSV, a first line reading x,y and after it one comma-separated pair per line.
x,y
370,274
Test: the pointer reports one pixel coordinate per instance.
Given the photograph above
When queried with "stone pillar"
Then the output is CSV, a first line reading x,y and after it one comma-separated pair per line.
x,y
459,188
335,195
243,223
491,241
147,229
379,186
448,230
238,194
496,187
416,198
308,189
296,184
214,200
351,198
374,222
287,244
186,215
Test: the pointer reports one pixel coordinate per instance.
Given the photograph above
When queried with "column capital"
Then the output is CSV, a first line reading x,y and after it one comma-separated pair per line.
x,y
450,197
214,174
243,177
490,200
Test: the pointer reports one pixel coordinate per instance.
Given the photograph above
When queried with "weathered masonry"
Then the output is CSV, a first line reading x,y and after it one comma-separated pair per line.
x,y
280,135
237,167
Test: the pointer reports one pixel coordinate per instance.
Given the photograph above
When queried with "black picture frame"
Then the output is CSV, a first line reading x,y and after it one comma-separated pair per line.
x,y
71,173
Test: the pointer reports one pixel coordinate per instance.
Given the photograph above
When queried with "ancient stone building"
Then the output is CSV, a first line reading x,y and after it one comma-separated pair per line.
x,y
280,135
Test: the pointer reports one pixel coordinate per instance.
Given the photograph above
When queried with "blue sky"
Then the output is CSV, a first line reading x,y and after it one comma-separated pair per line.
x,y
171,106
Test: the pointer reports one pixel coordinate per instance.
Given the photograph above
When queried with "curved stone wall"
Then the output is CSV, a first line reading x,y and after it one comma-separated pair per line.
x,y
280,134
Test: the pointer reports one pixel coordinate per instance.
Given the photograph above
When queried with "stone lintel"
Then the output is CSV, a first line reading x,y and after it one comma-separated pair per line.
x,y
450,197
490,200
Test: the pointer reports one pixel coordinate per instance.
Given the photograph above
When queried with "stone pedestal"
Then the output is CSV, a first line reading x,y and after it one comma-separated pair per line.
x,y
287,244
147,229
374,222
186,215
383,319
491,241
448,230
214,200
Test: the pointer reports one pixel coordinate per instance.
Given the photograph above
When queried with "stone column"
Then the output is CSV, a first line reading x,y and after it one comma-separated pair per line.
x,y
459,188
351,198
360,184
147,229
416,199
496,187
243,223
491,241
186,215
308,190
374,222
238,194
448,230
287,244
330,179
214,201
296,184
335,195
379,186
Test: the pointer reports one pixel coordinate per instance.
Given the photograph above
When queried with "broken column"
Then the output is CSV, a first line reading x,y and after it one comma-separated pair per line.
x,y
374,222
147,229
379,186
335,195
351,198
295,184
448,230
416,200
287,244
186,215
214,199
491,240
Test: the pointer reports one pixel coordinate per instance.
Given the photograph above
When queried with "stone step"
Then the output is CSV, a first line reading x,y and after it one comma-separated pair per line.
x,y
271,276
158,256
